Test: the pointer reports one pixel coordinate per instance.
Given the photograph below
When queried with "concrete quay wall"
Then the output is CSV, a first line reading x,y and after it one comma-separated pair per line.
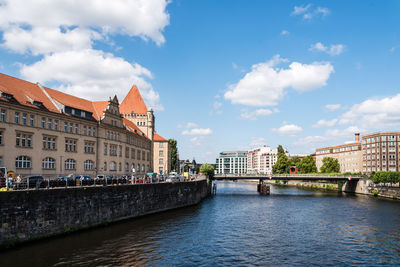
x,y
34,214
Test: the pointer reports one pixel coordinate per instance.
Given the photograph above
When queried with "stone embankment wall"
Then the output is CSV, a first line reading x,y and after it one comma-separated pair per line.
x,y
33,214
367,187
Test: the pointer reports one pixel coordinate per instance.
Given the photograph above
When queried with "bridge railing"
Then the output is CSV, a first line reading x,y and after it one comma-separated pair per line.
x,y
309,175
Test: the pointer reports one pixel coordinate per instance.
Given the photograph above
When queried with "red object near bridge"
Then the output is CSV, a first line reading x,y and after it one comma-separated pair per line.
x,y
293,170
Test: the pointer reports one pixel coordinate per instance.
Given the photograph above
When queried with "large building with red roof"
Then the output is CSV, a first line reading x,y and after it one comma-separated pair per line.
x,y
51,133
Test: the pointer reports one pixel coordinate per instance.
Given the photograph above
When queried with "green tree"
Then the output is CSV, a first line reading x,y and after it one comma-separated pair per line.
x,y
282,165
294,161
330,165
281,151
208,170
307,165
174,154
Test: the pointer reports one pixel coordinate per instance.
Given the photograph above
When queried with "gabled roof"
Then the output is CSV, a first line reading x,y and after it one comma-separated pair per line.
x,y
130,126
133,102
158,137
70,100
25,92
99,107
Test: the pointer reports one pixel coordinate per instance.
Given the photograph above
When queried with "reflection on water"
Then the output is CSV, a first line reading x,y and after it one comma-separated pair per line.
x,y
237,227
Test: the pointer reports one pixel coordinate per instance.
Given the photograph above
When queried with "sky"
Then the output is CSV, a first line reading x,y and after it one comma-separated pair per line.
x,y
220,75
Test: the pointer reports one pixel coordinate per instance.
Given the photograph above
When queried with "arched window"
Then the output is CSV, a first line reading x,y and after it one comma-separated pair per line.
x,y
48,163
88,165
105,165
70,164
143,168
113,166
119,167
127,167
132,167
138,168
23,162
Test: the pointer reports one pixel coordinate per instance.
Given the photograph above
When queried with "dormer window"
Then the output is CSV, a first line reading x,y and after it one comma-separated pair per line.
x,y
37,103
7,96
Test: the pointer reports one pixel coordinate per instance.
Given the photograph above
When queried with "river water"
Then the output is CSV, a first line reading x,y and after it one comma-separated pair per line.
x,y
237,227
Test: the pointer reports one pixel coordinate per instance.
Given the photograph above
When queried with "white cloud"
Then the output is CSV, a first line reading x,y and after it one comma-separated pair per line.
x,y
64,32
257,113
198,131
288,129
191,125
92,74
325,123
333,107
285,32
333,50
24,20
308,12
378,114
265,84
299,10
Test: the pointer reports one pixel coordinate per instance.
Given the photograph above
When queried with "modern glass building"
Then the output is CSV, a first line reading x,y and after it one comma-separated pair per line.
x,y
231,162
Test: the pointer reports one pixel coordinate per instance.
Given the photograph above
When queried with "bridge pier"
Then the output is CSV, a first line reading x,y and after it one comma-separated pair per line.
x,y
262,188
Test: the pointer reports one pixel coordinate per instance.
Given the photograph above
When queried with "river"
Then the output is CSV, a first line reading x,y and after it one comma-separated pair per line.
x,y
236,227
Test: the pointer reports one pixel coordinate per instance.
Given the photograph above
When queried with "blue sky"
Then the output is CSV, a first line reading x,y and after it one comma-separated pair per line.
x,y
221,75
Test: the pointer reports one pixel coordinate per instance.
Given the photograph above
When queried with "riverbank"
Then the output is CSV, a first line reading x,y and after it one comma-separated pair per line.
x,y
36,214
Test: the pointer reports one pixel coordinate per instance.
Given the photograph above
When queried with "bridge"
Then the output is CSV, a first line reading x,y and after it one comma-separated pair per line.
x,y
349,181
288,177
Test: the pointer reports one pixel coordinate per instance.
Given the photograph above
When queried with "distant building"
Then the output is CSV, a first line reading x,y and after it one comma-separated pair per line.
x,y
187,165
231,162
348,155
261,160
380,152
161,154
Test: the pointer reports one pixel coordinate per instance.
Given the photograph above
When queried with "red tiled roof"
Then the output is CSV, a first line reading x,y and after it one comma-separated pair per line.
x,y
130,126
158,137
133,102
99,107
23,90
70,100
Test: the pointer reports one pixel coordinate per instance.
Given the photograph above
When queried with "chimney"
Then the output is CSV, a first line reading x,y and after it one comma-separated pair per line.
x,y
357,135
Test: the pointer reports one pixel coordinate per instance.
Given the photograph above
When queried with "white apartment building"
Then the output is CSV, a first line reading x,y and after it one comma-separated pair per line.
x,y
231,162
260,160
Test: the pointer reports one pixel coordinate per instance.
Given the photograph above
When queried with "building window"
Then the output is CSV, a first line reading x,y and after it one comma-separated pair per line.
x,y
70,145
143,168
65,127
94,132
119,166
88,165
70,164
49,164
49,124
105,165
76,128
89,131
120,151
161,153
138,168
56,125
126,167
126,152
71,126
1,137
161,145
32,120
3,115
138,154
49,143
1,161
148,156
16,118
161,161
23,162
105,149
143,155
43,122
24,140
133,153
84,129
89,147
113,151
24,118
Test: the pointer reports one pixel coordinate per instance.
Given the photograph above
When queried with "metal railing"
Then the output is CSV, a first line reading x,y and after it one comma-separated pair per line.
x,y
36,184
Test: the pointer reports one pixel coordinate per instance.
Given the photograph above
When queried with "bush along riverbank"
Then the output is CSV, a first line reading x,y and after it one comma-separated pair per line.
x,y
308,185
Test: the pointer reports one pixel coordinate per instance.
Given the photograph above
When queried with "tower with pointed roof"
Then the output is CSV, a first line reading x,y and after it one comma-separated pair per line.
x,y
134,109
